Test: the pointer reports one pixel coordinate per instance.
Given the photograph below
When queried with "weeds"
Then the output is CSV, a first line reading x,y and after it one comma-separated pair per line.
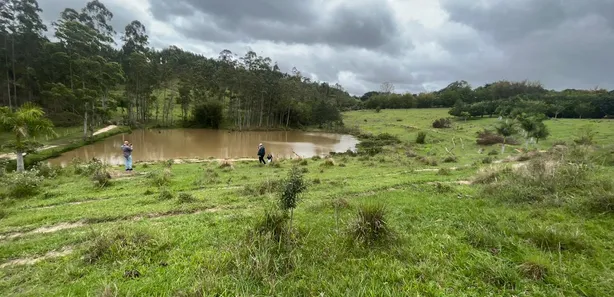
x,y
123,244
328,162
20,185
165,195
370,226
421,138
444,171
442,123
185,198
450,159
160,178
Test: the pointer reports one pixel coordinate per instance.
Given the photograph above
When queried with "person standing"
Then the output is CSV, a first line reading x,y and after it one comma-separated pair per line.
x,y
261,153
127,149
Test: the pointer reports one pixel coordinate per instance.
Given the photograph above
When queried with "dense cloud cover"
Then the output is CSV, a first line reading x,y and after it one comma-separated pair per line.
x,y
417,45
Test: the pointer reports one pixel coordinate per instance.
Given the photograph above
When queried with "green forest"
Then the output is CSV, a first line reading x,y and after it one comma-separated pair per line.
x,y
91,74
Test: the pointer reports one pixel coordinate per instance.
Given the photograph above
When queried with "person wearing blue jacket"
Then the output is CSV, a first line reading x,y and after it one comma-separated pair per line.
x,y
261,153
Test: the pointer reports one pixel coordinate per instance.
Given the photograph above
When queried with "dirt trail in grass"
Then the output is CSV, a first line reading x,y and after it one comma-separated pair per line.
x,y
13,156
105,129
29,261
88,222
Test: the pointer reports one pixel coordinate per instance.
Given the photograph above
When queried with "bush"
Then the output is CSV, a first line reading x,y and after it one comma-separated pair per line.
x,y
444,171
185,198
160,178
421,138
370,226
316,158
328,162
303,162
428,161
294,185
47,171
442,123
123,244
487,160
493,152
488,137
165,195
372,145
101,177
450,159
22,184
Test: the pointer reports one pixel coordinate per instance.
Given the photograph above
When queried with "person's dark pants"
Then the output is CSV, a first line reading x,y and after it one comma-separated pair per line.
x,y
261,160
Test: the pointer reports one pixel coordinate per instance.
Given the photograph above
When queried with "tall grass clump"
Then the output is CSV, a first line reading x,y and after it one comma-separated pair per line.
x,y
186,198
421,137
124,245
160,178
270,249
370,226
374,144
546,179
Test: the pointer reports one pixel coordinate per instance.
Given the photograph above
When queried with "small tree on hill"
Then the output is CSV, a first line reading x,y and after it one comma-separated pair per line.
x,y
294,185
27,122
505,129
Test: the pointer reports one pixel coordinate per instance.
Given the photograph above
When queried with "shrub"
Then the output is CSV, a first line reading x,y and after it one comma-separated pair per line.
x,y
168,163
488,137
444,171
370,226
160,178
442,123
316,158
273,225
372,145
226,164
3,213
123,244
47,171
585,136
316,181
450,159
487,160
185,198
328,162
101,177
421,138
428,161
493,152
165,195
22,184
294,185
303,162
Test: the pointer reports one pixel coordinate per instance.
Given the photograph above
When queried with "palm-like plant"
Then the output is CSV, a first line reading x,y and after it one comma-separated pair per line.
x,y
27,122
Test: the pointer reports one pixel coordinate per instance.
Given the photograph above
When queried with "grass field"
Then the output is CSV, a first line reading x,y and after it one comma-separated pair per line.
x,y
189,229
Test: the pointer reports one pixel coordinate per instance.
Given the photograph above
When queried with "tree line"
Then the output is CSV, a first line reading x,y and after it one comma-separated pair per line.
x,y
85,77
502,98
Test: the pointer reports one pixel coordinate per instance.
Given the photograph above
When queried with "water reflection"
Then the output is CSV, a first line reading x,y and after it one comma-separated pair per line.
x,y
157,145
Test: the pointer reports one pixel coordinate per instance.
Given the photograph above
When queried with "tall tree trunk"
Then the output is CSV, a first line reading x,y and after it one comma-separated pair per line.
x,y
8,76
14,78
19,159
85,123
288,117
261,108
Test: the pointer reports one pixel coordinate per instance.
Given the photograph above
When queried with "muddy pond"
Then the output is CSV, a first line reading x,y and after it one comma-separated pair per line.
x,y
160,144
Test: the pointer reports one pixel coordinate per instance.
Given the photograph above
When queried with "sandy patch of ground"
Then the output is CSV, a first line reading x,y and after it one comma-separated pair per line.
x,y
105,129
29,261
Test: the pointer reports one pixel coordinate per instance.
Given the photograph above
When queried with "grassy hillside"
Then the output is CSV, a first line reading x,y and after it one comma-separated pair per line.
x,y
201,229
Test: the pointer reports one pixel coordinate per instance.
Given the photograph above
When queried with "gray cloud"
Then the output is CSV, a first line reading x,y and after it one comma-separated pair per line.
x,y
362,43
368,25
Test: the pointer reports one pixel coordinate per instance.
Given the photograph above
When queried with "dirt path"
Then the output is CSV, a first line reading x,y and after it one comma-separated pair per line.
x,y
29,261
13,156
83,223
105,129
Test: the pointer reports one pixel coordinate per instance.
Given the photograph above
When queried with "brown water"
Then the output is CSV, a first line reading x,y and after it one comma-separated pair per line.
x,y
158,145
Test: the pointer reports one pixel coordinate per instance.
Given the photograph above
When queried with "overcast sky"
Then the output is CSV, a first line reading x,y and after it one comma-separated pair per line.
x,y
418,45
